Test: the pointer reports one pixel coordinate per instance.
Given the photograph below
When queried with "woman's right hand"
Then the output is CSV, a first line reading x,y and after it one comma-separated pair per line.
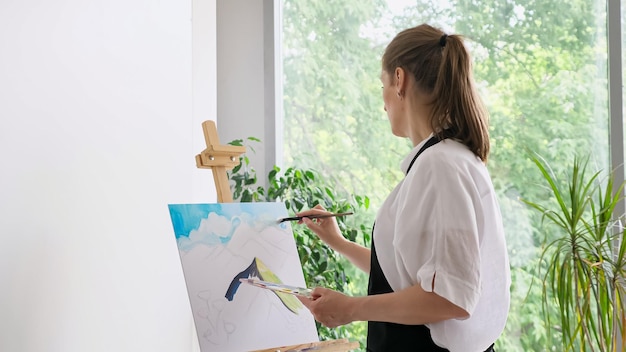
x,y
328,231
325,228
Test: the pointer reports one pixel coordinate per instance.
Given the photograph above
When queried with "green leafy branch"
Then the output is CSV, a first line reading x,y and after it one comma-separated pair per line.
x,y
301,189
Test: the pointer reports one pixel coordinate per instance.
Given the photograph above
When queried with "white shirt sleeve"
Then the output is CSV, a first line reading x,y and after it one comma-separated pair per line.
x,y
437,237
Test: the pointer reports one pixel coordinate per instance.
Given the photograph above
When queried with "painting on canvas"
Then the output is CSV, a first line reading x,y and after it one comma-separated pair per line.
x,y
221,243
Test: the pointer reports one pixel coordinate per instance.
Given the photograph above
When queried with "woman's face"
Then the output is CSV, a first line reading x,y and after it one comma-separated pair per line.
x,y
393,104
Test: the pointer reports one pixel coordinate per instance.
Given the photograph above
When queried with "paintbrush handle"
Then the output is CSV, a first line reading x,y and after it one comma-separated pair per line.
x,y
327,215
314,216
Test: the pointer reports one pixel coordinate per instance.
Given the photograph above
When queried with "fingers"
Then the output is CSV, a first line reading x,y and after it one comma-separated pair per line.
x,y
309,301
318,209
319,292
326,307
306,301
306,221
312,222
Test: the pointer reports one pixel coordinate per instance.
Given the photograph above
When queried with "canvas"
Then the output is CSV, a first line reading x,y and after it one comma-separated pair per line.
x,y
220,243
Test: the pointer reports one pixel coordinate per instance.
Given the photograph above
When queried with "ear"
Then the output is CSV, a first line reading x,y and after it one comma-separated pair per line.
x,y
399,78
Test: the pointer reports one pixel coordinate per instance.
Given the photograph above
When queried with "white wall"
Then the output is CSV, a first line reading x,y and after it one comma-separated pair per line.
x,y
97,136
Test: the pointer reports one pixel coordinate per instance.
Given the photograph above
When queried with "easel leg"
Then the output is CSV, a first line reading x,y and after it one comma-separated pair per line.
x,y
221,184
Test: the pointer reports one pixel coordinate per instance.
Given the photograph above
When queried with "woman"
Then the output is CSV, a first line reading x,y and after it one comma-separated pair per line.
x,y
438,265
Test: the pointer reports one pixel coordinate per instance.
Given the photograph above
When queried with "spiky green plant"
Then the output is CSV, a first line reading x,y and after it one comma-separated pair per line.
x,y
585,262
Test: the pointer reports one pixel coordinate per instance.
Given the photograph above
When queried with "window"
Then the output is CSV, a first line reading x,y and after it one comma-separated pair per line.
x,y
541,67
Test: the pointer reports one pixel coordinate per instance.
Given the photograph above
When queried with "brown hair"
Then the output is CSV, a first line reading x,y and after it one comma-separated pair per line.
x,y
442,67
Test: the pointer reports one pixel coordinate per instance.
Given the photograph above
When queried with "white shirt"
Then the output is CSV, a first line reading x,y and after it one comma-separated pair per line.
x,y
441,228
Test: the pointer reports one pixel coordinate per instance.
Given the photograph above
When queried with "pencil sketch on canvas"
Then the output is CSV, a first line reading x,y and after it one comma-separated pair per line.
x,y
220,243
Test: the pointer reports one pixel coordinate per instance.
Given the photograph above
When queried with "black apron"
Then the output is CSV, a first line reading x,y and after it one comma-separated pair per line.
x,y
387,337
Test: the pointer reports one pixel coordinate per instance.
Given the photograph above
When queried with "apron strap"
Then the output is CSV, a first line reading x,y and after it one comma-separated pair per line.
x,y
429,143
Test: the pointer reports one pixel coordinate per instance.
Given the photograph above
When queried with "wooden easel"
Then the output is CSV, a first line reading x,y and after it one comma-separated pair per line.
x,y
220,158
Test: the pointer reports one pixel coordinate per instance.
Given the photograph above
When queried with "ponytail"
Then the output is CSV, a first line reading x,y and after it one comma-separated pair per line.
x,y
458,111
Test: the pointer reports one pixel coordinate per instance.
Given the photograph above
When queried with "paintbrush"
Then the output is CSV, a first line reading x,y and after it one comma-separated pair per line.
x,y
312,216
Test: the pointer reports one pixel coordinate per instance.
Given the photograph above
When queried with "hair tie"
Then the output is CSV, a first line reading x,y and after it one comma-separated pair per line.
x,y
442,40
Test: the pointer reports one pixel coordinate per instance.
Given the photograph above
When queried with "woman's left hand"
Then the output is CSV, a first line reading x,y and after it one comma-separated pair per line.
x,y
330,308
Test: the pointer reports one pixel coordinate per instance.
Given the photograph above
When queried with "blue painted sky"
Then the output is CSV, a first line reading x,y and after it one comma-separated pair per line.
x,y
187,217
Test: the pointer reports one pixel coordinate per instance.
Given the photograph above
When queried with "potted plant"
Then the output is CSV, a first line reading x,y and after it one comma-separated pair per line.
x,y
583,258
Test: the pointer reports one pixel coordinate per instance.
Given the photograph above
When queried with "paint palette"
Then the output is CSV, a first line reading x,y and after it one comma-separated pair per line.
x,y
294,290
